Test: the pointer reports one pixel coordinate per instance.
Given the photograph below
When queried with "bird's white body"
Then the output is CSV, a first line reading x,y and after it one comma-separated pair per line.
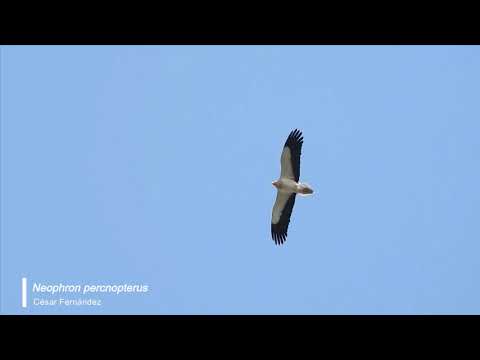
x,y
286,185
289,186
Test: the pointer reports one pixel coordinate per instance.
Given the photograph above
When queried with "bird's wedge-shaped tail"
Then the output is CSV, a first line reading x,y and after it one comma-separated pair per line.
x,y
304,189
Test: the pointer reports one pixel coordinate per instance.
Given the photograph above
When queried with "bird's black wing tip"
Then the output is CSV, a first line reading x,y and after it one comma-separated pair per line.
x,y
296,132
295,136
279,239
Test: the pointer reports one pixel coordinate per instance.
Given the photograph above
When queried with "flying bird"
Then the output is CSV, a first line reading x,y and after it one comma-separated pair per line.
x,y
288,186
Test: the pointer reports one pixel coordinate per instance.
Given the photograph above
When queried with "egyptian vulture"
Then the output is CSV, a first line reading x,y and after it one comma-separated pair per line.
x,y
288,186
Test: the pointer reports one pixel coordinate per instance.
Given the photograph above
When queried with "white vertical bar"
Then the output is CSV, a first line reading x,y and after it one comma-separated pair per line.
x,y
24,292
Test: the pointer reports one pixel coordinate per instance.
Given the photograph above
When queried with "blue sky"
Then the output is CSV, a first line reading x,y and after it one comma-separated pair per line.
x,y
153,165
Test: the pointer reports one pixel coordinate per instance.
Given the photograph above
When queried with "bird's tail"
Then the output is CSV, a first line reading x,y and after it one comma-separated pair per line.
x,y
304,189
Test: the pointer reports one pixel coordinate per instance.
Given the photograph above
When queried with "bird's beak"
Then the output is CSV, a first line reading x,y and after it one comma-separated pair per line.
x,y
274,183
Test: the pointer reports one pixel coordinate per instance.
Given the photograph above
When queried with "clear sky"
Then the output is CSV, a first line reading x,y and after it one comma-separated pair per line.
x,y
153,165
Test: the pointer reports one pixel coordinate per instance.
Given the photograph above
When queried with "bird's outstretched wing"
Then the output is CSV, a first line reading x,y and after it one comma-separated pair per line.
x,y
282,210
290,159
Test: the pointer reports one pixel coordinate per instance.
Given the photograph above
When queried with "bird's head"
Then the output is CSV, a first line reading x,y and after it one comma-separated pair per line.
x,y
276,184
